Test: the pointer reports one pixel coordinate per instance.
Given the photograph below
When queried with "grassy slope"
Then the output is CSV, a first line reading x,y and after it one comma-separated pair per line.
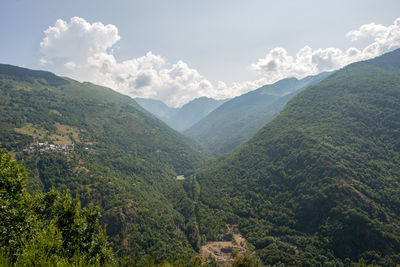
x,y
320,183
125,160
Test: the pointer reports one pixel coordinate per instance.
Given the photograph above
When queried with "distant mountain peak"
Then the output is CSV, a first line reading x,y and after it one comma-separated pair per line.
x,y
319,184
235,121
184,117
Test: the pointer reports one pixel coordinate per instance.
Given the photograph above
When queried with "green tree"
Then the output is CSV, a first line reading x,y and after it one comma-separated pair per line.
x,y
48,227
14,215
246,260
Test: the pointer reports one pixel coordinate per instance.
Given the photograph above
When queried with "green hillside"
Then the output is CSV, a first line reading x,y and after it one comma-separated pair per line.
x,y
103,146
240,118
320,184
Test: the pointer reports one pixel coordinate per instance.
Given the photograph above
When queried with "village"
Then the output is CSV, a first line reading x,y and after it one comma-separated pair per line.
x,y
49,148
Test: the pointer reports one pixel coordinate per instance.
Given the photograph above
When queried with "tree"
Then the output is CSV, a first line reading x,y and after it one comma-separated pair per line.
x,y
48,227
246,260
14,215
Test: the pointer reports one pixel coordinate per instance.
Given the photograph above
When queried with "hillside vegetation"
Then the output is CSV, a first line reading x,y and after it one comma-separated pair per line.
x,y
320,184
46,228
238,119
103,146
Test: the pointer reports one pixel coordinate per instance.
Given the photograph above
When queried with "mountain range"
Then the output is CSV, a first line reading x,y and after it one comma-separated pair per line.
x,y
319,185
236,120
316,183
104,147
184,117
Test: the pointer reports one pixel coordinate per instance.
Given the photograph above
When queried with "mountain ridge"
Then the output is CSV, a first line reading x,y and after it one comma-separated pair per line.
x,y
319,185
103,146
238,119
184,117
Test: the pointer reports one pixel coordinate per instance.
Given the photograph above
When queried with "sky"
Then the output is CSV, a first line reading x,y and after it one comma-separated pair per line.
x,y
178,50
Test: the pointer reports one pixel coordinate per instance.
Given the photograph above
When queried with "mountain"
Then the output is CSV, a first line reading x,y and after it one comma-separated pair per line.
x,y
194,111
238,119
184,117
157,108
319,185
104,147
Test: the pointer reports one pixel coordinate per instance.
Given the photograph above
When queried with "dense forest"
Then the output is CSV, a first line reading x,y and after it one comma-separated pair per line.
x,y
238,119
46,227
106,183
52,229
319,185
107,150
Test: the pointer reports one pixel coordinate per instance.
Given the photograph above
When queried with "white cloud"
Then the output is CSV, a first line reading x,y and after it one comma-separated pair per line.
x,y
77,40
367,30
84,51
278,64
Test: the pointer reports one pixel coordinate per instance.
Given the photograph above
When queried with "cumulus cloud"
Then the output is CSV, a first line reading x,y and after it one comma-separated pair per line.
x,y
278,64
84,51
77,40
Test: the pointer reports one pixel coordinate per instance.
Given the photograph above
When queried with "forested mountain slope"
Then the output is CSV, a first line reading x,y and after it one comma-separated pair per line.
x,y
103,146
320,184
238,119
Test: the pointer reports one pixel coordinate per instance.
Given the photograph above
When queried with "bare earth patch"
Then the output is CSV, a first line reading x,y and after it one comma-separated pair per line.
x,y
226,250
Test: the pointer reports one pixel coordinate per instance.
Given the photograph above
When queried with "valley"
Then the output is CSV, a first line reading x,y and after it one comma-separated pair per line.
x,y
314,181
238,119
112,154
181,119
321,178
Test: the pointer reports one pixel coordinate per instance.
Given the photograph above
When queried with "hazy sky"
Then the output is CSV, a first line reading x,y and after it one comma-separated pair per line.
x,y
176,50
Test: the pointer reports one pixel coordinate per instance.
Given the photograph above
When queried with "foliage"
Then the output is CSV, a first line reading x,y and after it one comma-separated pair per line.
x,y
319,185
246,260
45,228
124,160
238,119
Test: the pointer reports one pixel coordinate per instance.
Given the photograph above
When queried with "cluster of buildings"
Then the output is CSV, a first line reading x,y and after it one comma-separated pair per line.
x,y
49,148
